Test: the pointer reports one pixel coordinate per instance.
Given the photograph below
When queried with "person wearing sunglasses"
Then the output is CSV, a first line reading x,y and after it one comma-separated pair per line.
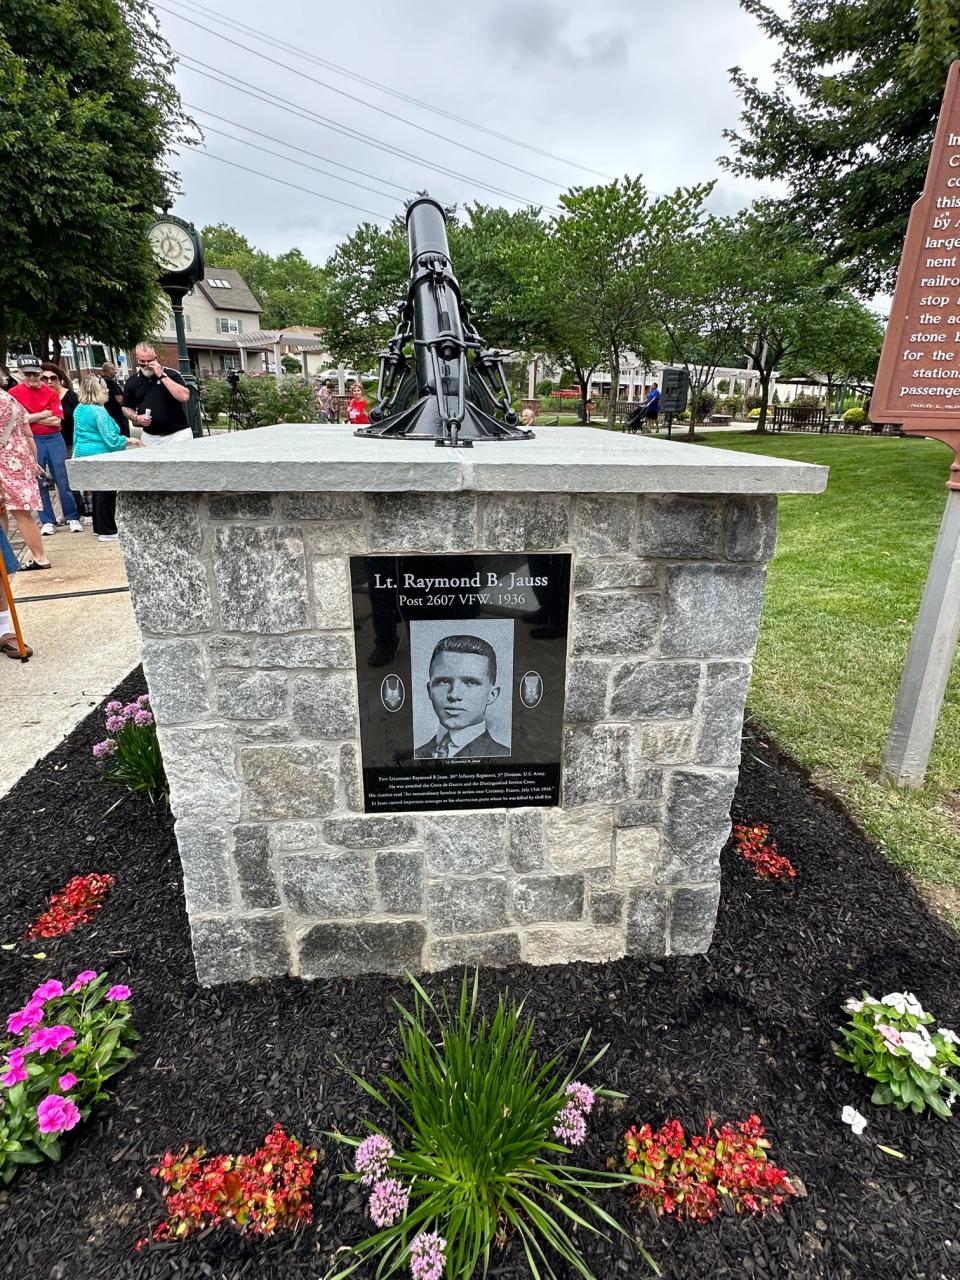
x,y
54,375
45,414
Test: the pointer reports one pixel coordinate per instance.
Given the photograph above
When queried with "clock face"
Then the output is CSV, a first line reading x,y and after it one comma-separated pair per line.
x,y
172,246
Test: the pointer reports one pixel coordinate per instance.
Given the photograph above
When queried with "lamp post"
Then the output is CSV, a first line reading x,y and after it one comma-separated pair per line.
x,y
179,254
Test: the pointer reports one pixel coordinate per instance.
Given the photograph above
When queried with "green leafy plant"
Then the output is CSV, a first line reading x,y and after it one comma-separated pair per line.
x,y
214,397
485,1129
855,417
888,1042
131,756
61,1049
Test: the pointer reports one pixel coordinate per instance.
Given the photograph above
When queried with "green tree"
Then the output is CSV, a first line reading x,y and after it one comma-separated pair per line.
x,y
598,264
700,303
367,282
845,344
850,121
88,112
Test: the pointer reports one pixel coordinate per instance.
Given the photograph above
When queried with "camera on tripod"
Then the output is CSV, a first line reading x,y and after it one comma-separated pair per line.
x,y
233,377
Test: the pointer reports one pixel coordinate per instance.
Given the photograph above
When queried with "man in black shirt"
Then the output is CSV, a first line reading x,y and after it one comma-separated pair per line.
x,y
108,372
155,398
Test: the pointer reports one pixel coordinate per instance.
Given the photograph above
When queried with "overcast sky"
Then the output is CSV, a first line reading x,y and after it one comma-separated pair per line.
x,y
620,86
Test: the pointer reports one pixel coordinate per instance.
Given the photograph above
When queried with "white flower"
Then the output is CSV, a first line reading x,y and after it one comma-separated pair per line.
x,y
852,1117
904,1002
853,1006
919,1048
951,1037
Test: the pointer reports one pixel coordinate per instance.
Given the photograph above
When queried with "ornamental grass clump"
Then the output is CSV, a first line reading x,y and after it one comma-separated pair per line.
x,y
60,1050
888,1042
130,756
693,1178
481,1132
259,1194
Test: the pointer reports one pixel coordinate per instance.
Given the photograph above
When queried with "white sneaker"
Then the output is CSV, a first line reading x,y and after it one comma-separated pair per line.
x,y
76,526
46,529
107,537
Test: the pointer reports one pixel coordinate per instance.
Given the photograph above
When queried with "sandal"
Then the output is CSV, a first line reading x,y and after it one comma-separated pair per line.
x,y
34,565
8,645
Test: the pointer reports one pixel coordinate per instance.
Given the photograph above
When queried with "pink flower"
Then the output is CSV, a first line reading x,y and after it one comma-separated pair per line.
x,y
581,1096
571,1127
29,1016
119,992
67,1047
15,1075
101,749
142,718
66,1082
15,1057
373,1158
143,700
130,710
427,1257
48,990
56,1114
113,707
388,1202
891,1035
82,978
47,1038
115,723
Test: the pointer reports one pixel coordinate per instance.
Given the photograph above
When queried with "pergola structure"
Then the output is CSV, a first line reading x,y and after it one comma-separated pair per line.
x,y
292,342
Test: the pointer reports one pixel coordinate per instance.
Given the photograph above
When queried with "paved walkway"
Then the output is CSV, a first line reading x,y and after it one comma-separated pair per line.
x,y
82,648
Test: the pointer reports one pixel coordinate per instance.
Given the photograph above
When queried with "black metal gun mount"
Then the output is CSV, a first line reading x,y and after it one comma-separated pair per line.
x,y
443,397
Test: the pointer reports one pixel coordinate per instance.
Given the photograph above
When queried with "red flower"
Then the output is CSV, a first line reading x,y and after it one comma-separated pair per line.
x,y
77,903
755,846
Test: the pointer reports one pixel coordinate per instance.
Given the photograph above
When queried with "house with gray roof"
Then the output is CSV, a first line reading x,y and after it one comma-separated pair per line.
x,y
220,307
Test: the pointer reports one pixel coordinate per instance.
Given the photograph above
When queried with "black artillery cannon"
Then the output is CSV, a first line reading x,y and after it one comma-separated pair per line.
x,y
444,397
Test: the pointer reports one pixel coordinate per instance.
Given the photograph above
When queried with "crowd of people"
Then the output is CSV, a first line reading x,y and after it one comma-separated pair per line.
x,y
45,420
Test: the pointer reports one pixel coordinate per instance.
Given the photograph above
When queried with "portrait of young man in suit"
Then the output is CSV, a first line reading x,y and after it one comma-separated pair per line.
x,y
462,686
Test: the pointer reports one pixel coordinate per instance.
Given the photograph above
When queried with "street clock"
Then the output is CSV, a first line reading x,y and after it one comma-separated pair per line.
x,y
178,252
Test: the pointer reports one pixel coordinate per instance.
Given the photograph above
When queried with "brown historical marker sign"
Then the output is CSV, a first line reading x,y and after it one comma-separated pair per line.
x,y
918,380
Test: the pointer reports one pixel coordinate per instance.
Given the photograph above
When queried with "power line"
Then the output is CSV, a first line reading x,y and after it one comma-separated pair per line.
x,y
352,74
265,95
354,98
383,217
209,128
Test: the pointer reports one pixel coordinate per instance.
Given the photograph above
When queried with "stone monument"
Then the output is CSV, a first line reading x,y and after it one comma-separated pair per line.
x,y
422,707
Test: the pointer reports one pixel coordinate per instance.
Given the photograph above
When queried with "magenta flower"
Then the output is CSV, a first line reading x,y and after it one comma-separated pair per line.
x,y
142,718
82,978
113,707
48,990
571,1127
67,1047
15,1075
427,1256
46,1038
115,723
373,1158
119,992
66,1082
29,1016
101,749
388,1202
15,1057
56,1114
581,1096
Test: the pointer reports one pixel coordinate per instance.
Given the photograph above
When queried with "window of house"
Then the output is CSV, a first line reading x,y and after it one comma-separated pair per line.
x,y
171,327
219,284
227,324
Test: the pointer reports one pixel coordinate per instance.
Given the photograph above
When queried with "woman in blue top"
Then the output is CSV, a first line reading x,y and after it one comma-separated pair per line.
x,y
94,431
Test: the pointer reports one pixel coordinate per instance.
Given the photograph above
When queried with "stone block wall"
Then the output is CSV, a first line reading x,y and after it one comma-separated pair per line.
x,y
245,608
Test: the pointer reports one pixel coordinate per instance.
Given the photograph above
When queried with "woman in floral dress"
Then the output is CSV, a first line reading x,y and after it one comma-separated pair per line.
x,y
19,491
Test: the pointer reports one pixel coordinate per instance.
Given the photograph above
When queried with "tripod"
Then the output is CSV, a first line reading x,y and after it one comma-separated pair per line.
x,y
240,414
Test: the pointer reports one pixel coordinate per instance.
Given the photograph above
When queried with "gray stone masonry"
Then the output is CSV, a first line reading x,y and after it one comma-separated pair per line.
x,y
244,602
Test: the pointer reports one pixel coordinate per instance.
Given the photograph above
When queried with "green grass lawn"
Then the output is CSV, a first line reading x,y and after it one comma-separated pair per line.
x,y
843,593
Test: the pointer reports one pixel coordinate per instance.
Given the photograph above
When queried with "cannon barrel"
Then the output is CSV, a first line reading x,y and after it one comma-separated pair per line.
x,y
445,396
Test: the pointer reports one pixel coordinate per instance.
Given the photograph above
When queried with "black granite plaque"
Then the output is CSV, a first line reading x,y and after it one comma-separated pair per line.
x,y
461,669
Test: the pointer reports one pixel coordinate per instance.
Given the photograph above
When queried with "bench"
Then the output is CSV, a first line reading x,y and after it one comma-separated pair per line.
x,y
721,418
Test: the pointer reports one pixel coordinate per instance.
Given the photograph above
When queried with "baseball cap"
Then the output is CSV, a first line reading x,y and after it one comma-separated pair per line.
x,y
28,364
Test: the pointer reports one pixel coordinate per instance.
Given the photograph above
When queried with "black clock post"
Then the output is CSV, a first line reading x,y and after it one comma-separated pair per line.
x,y
179,253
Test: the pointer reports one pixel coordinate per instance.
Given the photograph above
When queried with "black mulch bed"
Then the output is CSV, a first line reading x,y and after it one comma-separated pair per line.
x,y
746,1028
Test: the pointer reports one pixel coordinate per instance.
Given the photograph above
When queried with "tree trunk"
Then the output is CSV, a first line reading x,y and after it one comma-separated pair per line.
x,y
765,394
614,385
695,390
3,348
56,354
582,378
